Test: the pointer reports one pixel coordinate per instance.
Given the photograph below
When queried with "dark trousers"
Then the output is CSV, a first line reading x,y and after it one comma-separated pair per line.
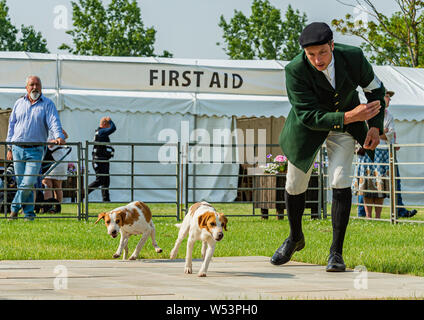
x,y
101,181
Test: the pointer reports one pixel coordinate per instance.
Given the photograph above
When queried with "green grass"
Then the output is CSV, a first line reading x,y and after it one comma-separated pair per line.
x,y
378,245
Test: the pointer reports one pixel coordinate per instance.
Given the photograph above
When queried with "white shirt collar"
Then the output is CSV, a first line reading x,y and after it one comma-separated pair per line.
x,y
330,72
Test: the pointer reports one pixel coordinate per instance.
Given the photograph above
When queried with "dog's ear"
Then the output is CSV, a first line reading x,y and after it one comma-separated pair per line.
x,y
224,220
120,216
100,217
203,219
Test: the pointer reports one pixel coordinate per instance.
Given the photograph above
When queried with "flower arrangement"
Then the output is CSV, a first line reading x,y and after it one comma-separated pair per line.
x,y
279,165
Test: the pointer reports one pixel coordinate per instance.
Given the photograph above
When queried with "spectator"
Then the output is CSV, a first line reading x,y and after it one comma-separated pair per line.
x,y
32,117
57,175
102,152
7,181
388,138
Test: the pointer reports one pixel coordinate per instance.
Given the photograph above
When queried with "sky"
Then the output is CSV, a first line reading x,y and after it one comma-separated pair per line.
x,y
186,28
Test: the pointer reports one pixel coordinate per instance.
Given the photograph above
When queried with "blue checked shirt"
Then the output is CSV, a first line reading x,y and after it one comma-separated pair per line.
x,y
32,123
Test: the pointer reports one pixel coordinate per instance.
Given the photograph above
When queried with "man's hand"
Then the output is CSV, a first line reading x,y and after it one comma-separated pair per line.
x,y
9,155
372,139
362,112
59,141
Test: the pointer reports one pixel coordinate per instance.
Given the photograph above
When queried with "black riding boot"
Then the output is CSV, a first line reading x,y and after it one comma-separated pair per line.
x,y
340,212
295,206
105,195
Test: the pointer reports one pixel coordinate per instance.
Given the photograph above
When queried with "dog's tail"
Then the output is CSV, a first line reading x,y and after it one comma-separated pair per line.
x,y
178,225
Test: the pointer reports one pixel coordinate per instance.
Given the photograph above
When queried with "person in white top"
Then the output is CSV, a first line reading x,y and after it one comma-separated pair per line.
x,y
389,137
59,174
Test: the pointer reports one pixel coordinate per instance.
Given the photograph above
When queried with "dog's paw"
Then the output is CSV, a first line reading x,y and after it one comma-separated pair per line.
x,y
173,254
188,270
116,255
201,274
133,258
158,250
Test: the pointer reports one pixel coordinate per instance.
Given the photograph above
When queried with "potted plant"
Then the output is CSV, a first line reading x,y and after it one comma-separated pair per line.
x,y
277,169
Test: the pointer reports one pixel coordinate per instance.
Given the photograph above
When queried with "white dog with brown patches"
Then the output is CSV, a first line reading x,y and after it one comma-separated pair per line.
x,y
203,223
134,218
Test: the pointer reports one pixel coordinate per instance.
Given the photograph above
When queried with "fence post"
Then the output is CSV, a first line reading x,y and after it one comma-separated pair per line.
x,y
395,177
79,181
178,179
86,179
187,168
324,191
392,186
320,187
132,172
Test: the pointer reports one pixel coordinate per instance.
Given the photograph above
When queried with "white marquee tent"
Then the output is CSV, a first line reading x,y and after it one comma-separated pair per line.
x,y
146,95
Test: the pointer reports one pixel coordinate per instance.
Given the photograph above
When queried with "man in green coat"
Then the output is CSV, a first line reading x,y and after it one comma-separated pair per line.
x,y
321,86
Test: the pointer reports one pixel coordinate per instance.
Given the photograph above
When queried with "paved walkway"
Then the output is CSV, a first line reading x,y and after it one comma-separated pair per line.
x,y
229,278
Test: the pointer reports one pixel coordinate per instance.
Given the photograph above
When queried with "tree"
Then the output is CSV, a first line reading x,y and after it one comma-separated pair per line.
x,y
263,35
397,40
117,30
31,40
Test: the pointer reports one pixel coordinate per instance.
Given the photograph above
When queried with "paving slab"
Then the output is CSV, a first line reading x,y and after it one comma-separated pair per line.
x,y
229,278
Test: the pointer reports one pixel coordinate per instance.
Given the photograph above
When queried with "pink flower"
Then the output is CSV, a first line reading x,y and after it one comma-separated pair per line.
x,y
280,158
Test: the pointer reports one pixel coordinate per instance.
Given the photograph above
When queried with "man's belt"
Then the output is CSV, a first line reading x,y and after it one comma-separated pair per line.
x,y
27,146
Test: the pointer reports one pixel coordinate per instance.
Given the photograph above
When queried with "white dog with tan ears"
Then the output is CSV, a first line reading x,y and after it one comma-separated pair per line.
x,y
203,223
134,218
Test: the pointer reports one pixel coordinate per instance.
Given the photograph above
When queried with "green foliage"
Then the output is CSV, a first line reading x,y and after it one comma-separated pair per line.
x,y
263,35
117,30
31,40
397,40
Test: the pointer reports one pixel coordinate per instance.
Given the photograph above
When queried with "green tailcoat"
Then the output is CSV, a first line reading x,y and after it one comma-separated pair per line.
x,y
318,108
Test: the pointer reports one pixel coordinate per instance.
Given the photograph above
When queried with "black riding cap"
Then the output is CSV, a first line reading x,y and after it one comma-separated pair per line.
x,y
316,33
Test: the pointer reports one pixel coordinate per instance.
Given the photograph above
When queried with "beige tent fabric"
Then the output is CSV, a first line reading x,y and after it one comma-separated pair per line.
x,y
4,124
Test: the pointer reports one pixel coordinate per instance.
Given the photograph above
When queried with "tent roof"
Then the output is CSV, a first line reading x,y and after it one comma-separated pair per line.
x,y
167,85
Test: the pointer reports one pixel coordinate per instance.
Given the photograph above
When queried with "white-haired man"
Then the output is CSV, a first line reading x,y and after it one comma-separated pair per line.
x,y
32,117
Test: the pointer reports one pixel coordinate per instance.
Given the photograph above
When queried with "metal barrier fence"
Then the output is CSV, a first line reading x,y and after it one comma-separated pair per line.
x,y
132,168
191,179
9,181
393,179
266,190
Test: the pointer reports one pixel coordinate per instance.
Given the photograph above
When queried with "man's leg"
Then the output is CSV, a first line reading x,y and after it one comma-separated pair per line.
x,y
361,208
104,181
96,183
32,167
340,211
340,149
19,169
296,186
